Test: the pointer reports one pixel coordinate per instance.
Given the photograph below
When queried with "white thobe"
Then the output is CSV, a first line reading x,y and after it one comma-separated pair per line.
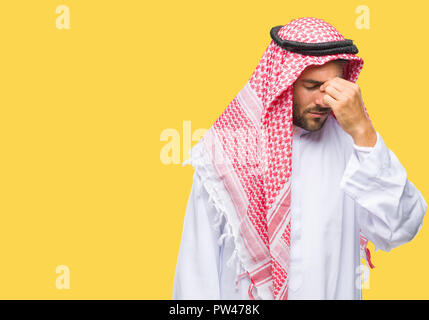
x,y
338,189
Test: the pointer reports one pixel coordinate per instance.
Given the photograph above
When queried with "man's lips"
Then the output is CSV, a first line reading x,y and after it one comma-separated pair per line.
x,y
318,114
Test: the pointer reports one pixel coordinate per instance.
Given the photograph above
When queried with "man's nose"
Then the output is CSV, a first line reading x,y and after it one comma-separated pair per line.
x,y
319,99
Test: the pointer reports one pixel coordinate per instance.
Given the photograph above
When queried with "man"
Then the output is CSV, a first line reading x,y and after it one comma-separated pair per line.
x,y
292,180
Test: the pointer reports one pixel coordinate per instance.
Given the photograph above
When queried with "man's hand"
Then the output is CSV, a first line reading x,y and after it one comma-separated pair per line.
x,y
345,99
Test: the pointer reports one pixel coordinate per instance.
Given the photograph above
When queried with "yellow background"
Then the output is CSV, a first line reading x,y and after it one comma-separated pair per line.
x,y
82,110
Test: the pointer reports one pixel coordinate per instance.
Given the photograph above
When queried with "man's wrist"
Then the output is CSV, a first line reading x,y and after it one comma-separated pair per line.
x,y
366,136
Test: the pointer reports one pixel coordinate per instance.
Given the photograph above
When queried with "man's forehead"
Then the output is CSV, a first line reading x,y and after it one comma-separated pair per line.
x,y
320,74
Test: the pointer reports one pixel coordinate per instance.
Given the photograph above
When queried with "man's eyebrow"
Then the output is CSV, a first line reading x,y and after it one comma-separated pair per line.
x,y
315,81
312,81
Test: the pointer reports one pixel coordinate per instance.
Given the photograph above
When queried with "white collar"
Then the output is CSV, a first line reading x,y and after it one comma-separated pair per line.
x,y
299,131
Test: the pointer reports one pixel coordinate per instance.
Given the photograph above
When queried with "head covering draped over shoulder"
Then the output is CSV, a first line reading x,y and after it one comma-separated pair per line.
x,y
249,148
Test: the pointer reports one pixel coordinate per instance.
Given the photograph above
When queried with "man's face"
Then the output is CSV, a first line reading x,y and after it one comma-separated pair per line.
x,y
309,111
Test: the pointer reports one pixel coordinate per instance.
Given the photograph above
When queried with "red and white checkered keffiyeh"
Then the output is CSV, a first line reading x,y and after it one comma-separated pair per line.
x,y
250,147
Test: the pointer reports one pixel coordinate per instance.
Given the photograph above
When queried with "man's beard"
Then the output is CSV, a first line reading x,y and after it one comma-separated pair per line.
x,y
309,124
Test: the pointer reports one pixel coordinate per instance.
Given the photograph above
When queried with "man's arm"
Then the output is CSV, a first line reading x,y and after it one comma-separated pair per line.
x,y
197,269
390,208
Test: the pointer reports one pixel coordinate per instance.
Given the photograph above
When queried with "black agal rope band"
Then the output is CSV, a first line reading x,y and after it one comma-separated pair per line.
x,y
314,49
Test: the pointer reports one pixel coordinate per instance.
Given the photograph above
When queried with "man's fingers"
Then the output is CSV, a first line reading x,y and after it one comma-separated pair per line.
x,y
333,92
332,83
338,89
323,86
343,81
343,84
327,99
